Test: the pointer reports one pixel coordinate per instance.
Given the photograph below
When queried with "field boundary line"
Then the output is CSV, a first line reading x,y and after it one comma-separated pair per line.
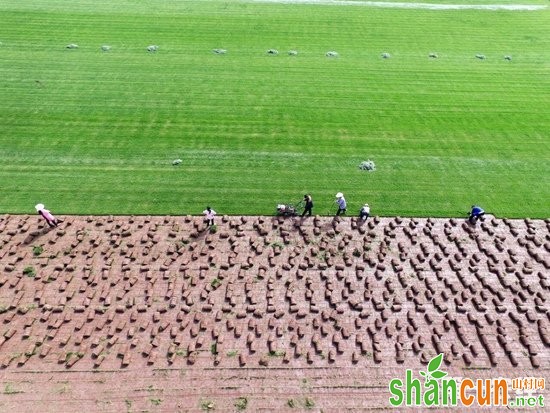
x,y
403,5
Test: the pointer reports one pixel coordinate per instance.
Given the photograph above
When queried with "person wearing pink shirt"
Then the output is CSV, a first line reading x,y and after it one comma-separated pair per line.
x,y
47,215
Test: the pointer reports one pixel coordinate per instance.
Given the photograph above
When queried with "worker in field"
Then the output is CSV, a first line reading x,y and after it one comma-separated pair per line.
x,y
341,202
308,205
209,215
476,214
364,212
47,215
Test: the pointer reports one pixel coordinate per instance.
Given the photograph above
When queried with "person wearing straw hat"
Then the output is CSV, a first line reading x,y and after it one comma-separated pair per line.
x,y
342,205
364,212
47,215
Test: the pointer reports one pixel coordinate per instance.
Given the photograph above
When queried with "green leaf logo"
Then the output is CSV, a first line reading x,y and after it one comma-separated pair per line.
x,y
433,372
435,363
438,374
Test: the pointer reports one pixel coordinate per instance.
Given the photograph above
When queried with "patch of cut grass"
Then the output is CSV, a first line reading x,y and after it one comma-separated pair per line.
x,y
241,403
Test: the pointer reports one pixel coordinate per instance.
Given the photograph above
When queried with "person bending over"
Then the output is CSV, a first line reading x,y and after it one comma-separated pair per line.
x,y
476,214
364,212
47,215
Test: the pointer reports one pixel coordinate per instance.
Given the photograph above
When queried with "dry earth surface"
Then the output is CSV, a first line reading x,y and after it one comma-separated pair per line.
x,y
135,314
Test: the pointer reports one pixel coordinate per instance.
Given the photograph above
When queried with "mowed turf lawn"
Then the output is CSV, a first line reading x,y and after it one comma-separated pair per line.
x,y
92,132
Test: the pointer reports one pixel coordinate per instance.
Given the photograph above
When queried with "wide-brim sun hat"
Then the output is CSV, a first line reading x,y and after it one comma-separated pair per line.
x,y
38,207
339,195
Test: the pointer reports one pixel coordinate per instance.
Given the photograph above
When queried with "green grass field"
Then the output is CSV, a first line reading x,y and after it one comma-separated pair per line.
x,y
92,132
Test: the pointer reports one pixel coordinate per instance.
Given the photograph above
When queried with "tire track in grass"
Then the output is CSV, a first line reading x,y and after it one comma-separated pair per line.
x,y
409,5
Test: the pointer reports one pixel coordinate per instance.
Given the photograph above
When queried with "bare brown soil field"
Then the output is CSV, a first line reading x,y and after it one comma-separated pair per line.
x,y
157,314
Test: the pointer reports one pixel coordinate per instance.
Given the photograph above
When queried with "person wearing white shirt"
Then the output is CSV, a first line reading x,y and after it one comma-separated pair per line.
x,y
209,215
364,212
